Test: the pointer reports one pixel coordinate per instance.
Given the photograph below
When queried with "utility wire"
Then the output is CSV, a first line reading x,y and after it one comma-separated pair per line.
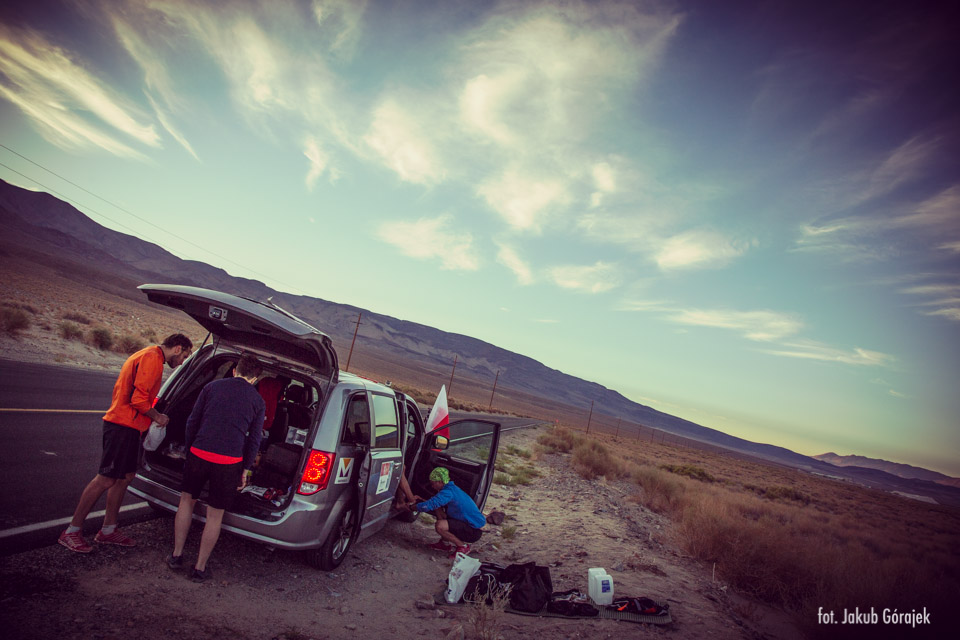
x,y
128,212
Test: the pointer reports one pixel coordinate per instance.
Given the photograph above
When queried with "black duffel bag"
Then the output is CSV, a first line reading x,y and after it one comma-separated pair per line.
x,y
530,586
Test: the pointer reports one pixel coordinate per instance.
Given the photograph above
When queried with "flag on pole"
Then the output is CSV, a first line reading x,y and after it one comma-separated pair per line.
x,y
439,416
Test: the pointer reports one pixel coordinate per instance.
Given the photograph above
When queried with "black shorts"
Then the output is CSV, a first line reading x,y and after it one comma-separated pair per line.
x,y
463,530
223,478
121,447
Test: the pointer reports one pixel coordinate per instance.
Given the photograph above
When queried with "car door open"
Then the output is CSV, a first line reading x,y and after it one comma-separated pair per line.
x,y
469,455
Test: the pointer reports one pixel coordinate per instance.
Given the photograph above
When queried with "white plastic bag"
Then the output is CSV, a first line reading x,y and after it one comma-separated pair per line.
x,y
464,567
154,437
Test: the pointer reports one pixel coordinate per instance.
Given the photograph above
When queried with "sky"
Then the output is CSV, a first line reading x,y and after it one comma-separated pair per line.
x,y
746,214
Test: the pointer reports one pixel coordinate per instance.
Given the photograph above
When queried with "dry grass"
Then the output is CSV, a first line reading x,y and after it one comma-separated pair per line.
x,y
796,540
487,619
14,320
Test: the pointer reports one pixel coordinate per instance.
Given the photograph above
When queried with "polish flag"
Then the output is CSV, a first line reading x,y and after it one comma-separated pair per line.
x,y
439,416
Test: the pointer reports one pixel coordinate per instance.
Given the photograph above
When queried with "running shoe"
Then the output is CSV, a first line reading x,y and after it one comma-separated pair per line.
x,y
75,542
116,538
465,549
441,546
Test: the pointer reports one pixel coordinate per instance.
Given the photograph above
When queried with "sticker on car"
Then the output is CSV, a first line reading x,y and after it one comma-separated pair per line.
x,y
343,471
384,483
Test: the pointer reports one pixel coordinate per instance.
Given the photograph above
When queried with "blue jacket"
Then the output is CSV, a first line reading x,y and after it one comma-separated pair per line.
x,y
227,419
458,504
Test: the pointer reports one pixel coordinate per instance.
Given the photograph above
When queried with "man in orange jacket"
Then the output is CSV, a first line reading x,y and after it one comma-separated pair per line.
x,y
128,417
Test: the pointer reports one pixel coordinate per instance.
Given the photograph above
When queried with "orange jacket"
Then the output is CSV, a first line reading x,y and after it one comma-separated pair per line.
x,y
136,389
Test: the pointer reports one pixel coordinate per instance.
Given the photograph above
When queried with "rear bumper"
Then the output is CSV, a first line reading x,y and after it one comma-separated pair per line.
x,y
301,525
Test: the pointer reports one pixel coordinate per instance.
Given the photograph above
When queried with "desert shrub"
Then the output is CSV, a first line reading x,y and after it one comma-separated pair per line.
x,y
101,338
129,344
560,440
488,619
777,492
76,317
14,320
508,532
517,451
662,492
20,305
690,471
70,330
503,478
591,459
149,335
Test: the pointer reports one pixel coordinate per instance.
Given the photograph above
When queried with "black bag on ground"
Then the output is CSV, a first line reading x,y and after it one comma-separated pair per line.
x,y
531,586
640,606
572,603
485,583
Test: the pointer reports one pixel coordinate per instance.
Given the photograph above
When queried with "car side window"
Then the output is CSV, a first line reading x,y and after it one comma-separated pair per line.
x,y
356,428
387,427
473,441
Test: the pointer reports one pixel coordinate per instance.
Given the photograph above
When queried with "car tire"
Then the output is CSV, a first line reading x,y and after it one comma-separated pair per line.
x,y
408,516
334,549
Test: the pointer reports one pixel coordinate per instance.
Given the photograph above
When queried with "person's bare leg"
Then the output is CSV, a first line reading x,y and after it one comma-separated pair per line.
x,y
443,528
181,524
91,493
115,499
211,532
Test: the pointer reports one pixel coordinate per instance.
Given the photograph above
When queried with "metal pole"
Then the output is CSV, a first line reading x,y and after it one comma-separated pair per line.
x,y
589,417
357,328
450,386
490,408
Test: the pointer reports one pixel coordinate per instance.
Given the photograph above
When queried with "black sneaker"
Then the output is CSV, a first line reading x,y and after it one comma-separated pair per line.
x,y
175,562
201,576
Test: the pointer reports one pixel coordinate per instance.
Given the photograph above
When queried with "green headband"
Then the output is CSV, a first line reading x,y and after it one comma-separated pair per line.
x,y
440,474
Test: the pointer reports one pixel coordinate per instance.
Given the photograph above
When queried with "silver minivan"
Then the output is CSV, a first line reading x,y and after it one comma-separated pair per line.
x,y
337,443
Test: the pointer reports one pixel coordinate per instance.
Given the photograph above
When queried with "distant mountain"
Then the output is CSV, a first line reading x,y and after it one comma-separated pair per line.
x,y
38,224
895,468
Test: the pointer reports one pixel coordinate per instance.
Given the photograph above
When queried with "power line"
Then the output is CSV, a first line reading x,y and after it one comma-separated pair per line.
x,y
130,213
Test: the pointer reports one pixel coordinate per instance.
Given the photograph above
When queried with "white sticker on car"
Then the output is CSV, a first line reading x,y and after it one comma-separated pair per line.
x,y
343,471
384,483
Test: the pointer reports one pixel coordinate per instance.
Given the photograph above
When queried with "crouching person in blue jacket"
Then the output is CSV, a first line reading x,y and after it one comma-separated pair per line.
x,y
459,521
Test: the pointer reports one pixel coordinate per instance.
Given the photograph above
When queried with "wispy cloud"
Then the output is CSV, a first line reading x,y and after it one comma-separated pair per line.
x,y
340,23
816,351
943,297
764,326
697,249
509,257
777,328
432,238
318,162
523,200
398,137
53,90
595,278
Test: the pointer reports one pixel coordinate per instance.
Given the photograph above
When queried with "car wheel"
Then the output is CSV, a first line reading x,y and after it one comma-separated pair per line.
x,y
334,549
408,516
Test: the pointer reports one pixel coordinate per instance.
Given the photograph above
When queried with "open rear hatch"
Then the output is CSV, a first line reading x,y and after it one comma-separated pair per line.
x,y
242,321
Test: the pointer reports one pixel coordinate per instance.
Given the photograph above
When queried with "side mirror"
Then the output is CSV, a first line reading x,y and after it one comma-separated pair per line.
x,y
440,443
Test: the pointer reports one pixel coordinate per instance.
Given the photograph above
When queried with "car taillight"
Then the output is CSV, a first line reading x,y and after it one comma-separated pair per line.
x,y
317,472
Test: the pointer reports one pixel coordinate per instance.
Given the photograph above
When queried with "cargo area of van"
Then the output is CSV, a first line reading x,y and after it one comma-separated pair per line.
x,y
291,401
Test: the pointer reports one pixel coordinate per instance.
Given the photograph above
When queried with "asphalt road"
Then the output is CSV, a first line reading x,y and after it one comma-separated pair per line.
x,y
50,422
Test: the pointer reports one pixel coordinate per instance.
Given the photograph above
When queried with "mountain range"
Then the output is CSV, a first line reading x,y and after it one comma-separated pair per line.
x,y
43,225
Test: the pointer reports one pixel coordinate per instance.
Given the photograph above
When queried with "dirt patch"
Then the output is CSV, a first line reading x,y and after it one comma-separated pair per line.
x,y
385,586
